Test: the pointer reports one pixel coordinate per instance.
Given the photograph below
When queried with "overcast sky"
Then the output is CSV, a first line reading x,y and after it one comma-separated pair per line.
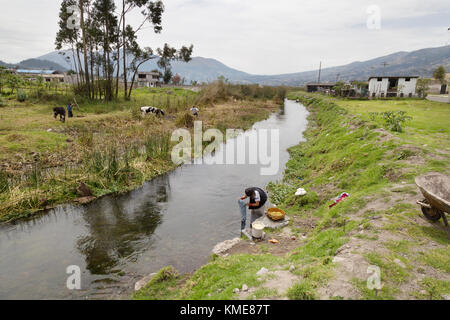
x,y
256,36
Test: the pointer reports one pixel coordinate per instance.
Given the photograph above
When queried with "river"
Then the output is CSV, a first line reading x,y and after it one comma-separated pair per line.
x,y
175,219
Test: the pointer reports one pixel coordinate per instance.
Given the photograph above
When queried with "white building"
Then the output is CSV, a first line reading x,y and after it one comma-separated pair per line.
x,y
148,79
403,86
47,75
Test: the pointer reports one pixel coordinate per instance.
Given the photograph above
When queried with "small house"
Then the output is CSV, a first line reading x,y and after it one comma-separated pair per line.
x,y
47,75
389,87
320,87
147,79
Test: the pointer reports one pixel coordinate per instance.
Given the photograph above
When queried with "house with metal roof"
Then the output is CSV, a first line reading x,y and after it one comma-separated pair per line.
x,y
392,86
319,87
47,75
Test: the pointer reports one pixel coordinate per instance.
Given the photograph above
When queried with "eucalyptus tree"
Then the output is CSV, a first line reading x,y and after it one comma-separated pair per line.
x,y
168,54
68,34
104,13
82,4
101,34
439,74
151,12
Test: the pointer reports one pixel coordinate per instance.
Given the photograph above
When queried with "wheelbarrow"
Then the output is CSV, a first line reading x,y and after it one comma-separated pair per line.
x,y
435,187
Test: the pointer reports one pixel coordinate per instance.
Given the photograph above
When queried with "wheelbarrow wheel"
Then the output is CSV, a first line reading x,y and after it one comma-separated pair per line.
x,y
432,214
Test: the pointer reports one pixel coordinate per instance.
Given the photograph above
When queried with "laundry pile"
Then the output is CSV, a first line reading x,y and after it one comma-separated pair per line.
x,y
339,199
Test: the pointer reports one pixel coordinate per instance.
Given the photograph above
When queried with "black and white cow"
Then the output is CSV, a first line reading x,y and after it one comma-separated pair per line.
x,y
156,111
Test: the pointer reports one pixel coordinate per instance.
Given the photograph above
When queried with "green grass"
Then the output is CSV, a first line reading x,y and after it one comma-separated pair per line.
x,y
438,259
387,292
262,293
430,124
101,146
344,153
302,291
29,141
161,287
433,289
390,271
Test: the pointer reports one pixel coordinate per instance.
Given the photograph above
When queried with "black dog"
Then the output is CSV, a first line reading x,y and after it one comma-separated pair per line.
x,y
61,112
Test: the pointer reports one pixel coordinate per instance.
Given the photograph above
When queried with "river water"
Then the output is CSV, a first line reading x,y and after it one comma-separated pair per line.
x,y
175,219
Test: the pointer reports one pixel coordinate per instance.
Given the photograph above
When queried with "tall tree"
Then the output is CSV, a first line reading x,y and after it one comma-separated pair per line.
x,y
84,45
168,54
103,13
439,74
152,14
101,37
68,34
176,80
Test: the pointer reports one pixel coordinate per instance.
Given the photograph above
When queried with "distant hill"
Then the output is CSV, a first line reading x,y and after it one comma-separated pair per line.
x,y
421,62
198,69
35,64
7,65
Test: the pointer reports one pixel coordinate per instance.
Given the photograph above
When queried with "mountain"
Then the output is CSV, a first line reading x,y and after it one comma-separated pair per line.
x,y
35,64
6,65
41,64
198,69
420,62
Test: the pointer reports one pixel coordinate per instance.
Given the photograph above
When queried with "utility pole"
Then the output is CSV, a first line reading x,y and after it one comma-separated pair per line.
x,y
320,71
384,66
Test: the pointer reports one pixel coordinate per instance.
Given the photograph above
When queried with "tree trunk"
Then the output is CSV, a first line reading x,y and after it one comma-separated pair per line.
x,y
124,50
91,58
76,67
80,67
118,71
83,35
108,66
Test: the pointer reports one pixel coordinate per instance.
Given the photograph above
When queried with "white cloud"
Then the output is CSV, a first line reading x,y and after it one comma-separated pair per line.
x,y
256,36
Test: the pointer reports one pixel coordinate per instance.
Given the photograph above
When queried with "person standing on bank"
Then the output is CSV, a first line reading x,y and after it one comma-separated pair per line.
x,y
195,111
258,199
70,110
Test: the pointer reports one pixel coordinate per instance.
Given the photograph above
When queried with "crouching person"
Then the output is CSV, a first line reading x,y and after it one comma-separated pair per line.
x,y
256,205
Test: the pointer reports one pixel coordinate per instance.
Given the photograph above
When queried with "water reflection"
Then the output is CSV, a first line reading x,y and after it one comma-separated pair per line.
x,y
120,228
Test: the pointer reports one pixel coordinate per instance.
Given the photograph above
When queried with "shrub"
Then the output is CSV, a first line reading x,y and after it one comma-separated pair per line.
x,y
2,102
165,274
136,113
222,90
157,146
185,120
280,192
302,291
311,198
21,96
4,184
393,119
86,139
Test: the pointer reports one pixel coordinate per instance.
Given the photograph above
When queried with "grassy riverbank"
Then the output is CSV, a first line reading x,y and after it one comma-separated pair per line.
x,y
378,225
108,147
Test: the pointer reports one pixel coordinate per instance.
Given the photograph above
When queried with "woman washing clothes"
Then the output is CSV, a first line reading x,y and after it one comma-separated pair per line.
x,y
258,199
